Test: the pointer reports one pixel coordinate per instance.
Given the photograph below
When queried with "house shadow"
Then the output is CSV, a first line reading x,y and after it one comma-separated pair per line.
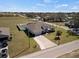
x,y
18,28
30,35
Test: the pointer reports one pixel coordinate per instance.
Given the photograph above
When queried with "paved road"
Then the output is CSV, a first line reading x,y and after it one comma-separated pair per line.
x,y
43,42
56,51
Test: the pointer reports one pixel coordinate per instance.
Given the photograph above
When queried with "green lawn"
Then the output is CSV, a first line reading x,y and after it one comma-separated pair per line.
x,y
59,23
20,42
65,38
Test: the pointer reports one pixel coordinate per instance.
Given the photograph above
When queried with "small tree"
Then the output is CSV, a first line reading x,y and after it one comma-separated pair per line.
x,y
57,37
58,33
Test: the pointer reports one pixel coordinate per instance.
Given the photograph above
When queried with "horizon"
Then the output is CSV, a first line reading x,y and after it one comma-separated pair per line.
x,y
36,12
43,6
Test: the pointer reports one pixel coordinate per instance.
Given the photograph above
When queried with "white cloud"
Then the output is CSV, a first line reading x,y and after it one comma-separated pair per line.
x,y
44,5
11,8
40,4
50,1
47,1
65,5
74,7
62,5
56,1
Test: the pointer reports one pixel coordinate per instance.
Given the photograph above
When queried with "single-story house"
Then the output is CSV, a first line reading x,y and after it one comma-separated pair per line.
x,y
4,36
21,27
37,28
74,26
75,31
4,33
70,24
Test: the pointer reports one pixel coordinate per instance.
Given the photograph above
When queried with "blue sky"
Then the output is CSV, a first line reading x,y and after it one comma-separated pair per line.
x,y
39,5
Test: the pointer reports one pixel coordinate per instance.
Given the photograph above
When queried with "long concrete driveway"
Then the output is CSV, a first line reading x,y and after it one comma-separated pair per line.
x,y
43,42
56,51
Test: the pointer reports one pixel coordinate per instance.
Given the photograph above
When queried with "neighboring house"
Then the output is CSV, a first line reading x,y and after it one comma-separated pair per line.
x,y
75,31
74,28
4,37
21,27
70,24
4,33
38,28
38,18
53,19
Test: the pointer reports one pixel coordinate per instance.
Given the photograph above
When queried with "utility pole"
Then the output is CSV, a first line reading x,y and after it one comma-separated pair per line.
x,y
28,39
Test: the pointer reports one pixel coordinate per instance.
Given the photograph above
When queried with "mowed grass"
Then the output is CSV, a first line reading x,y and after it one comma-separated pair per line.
x,y
65,37
20,41
59,23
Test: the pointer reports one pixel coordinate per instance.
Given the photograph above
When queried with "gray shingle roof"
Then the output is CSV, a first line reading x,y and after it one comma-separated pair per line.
x,y
4,31
37,27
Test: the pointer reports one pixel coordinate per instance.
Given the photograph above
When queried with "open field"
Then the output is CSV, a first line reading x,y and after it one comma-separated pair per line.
x,y
65,37
20,42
